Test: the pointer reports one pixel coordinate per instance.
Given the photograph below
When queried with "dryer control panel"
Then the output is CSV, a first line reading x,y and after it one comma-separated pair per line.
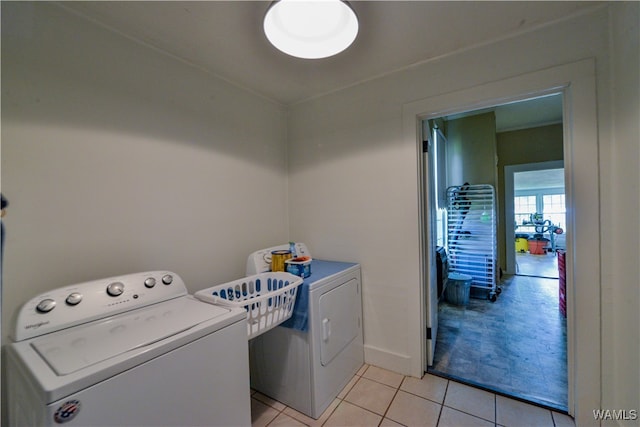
x,y
84,302
260,261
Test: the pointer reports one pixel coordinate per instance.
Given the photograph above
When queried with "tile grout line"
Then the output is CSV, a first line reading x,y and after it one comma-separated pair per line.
x,y
282,411
397,388
495,409
278,411
444,398
463,411
391,402
346,392
377,382
443,404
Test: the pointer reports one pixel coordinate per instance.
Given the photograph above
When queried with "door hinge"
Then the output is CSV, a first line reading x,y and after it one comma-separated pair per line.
x,y
429,333
425,146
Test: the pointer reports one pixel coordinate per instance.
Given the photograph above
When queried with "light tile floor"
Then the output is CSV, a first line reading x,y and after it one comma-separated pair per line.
x,y
378,397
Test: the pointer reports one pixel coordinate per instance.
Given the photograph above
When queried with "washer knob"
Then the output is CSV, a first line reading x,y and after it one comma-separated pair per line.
x,y
46,305
74,298
167,279
115,289
150,282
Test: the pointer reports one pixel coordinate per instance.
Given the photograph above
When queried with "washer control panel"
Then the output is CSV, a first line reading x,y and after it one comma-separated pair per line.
x,y
84,302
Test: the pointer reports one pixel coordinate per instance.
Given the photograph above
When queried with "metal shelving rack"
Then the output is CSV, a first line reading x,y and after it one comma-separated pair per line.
x,y
471,235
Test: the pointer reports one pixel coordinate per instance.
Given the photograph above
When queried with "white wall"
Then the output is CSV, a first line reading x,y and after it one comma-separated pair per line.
x,y
621,204
118,159
353,182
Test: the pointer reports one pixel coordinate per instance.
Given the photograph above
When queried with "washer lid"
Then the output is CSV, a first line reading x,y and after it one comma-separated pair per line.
x,y
77,348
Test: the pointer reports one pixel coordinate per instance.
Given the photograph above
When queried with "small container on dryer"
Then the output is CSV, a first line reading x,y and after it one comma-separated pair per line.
x,y
278,259
300,266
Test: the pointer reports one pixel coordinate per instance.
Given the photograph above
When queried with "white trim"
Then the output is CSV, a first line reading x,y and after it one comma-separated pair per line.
x,y
577,81
395,362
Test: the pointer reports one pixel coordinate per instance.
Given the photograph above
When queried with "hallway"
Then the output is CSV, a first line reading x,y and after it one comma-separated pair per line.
x,y
515,346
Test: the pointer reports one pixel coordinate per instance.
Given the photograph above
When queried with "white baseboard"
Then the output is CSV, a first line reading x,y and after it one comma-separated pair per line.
x,y
386,359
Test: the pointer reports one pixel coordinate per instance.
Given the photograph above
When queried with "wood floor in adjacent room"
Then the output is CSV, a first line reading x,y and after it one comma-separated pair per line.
x,y
516,345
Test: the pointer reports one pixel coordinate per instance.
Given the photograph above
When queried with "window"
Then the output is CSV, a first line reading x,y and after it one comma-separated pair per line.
x,y
553,209
550,203
440,178
524,206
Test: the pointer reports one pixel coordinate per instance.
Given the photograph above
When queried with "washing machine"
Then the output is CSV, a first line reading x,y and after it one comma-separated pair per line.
x,y
305,362
132,350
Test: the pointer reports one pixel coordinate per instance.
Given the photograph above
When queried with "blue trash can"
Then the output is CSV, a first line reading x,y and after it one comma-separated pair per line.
x,y
458,289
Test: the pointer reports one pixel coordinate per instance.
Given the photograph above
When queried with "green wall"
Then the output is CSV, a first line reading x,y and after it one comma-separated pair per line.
x,y
477,154
541,144
471,150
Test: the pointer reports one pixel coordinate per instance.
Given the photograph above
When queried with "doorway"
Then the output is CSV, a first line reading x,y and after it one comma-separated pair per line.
x,y
491,342
535,199
576,81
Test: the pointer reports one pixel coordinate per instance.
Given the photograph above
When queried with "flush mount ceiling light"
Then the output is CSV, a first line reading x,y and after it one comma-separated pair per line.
x,y
311,29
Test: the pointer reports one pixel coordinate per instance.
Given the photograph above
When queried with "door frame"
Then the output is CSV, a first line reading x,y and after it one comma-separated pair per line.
x,y
577,83
509,191
428,240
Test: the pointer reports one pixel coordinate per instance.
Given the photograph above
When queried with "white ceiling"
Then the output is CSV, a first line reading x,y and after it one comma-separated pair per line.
x,y
523,114
225,38
529,113
539,179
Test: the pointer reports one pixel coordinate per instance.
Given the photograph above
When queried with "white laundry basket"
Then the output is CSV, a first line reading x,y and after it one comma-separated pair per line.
x,y
268,298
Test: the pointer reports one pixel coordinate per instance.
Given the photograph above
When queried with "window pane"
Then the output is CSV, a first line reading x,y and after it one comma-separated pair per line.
x,y
524,206
554,209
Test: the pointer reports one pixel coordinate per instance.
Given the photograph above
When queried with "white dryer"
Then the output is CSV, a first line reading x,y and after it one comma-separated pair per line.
x,y
309,359
131,350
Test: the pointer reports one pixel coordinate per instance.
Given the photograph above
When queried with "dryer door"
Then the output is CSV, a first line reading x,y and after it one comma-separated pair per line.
x,y
340,319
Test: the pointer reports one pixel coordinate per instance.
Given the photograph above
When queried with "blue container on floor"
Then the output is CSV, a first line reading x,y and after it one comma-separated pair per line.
x,y
458,289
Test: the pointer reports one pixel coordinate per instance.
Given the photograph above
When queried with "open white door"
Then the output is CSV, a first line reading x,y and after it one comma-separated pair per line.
x,y
429,242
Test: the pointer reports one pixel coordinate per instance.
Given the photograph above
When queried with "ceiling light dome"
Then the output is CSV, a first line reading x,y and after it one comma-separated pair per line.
x,y
311,29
